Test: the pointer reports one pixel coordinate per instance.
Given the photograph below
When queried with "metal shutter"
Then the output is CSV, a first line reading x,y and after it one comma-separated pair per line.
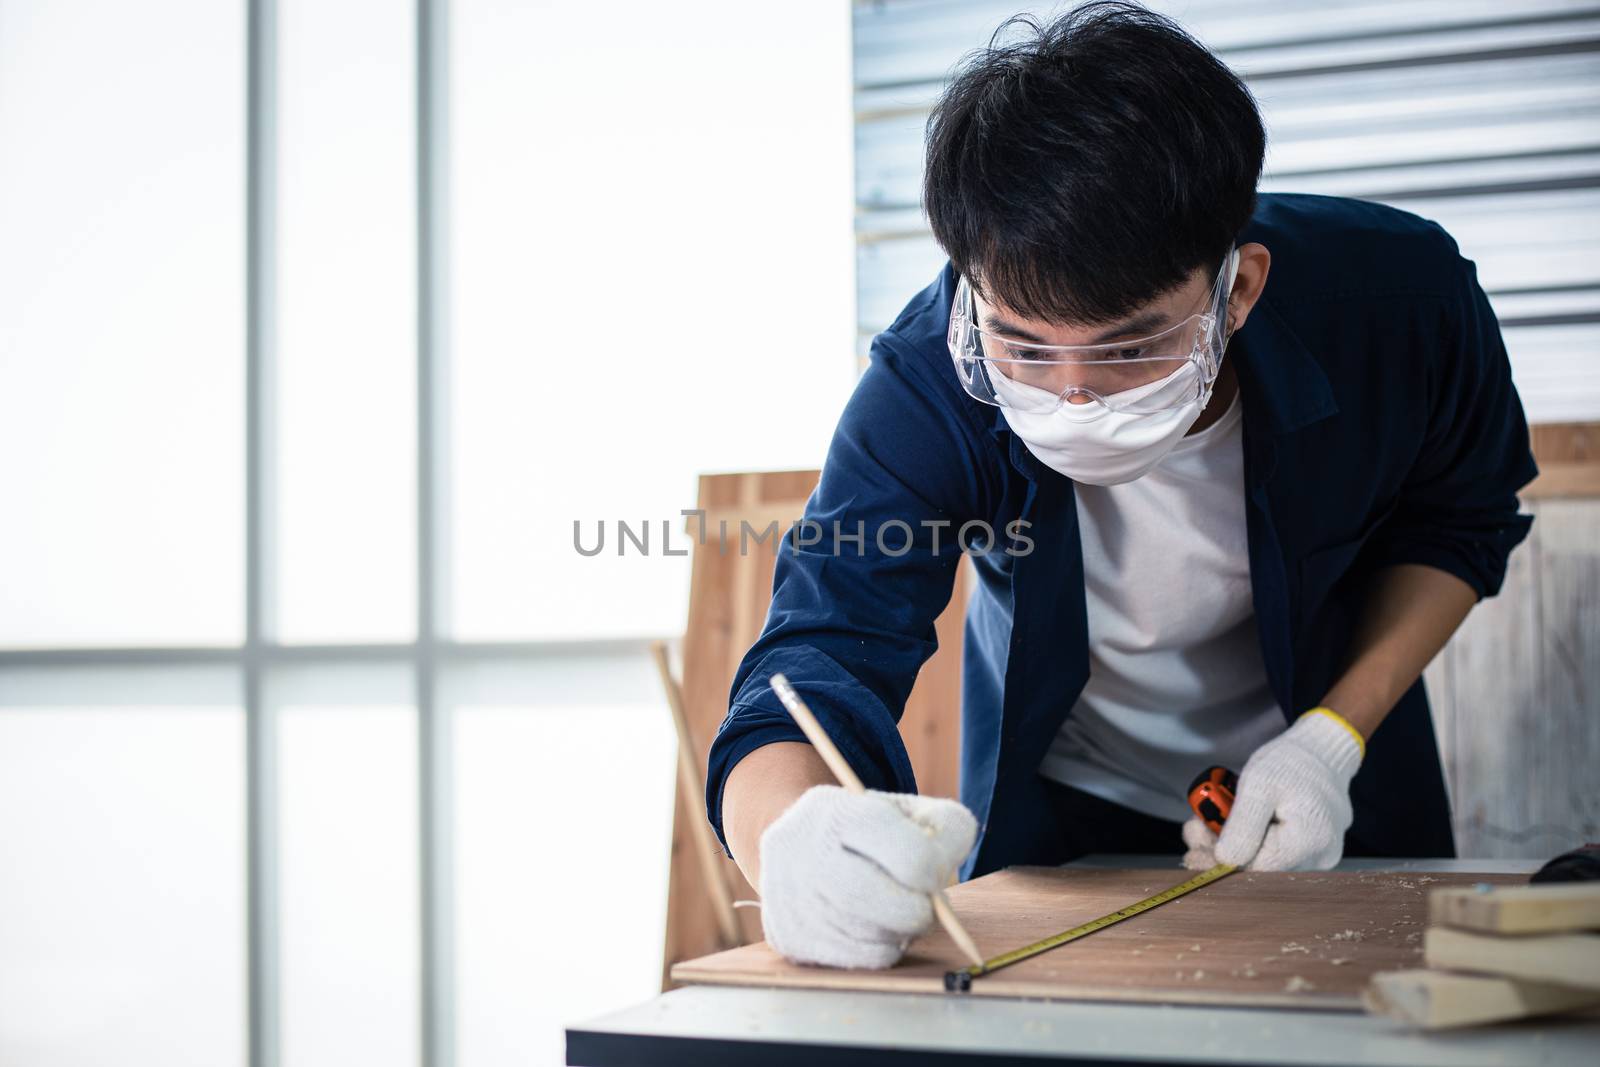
x,y
1483,115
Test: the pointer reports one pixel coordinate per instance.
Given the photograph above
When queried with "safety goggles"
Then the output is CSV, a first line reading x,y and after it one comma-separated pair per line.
x,y
1164,370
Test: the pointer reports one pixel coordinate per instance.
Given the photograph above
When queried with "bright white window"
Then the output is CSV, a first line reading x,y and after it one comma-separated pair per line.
x,y
653,279
348,883
122,904
212,800
346,358
121,323
557,865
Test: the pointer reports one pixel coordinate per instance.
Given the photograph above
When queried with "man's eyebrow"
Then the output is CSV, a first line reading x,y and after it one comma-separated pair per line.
x,y
1141,325
995,324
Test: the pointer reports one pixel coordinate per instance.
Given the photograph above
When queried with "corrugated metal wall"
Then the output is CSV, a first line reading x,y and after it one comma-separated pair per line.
x,y
1481,114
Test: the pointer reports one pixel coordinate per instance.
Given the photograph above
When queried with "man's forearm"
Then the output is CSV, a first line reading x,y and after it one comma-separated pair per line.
x,y
759,789
1411,613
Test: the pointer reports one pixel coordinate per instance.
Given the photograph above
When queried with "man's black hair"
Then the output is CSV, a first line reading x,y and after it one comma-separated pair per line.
x,y
1092,165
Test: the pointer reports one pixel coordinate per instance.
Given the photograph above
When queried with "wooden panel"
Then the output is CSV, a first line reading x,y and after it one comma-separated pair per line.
x,y
1435,1000
730,590
1308,940
1568,959
1524,909
1569,460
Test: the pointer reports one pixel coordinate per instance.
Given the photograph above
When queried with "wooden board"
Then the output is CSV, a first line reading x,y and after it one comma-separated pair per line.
x,y
1437,1000
1523,909
1304,940
1568,454
1567,959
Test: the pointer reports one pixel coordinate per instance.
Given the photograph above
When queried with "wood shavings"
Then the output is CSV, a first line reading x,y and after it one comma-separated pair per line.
x,y
1348,935
1293,946
1296,984
1341,961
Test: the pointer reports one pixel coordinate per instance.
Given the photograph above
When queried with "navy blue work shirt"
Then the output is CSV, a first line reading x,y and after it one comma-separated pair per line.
x,y
1380,427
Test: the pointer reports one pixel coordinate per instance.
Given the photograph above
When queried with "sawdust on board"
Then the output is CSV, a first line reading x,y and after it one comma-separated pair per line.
x,y
1297,984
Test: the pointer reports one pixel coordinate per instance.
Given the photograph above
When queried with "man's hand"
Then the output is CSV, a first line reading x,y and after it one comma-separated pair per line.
x,y
846,879
1293,803
1303,777
1202,843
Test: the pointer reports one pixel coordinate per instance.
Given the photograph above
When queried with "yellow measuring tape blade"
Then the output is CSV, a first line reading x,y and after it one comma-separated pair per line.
x,y
961,981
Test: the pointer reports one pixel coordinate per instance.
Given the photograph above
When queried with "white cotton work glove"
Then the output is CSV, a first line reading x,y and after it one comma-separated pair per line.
x,y
1292,806
846,878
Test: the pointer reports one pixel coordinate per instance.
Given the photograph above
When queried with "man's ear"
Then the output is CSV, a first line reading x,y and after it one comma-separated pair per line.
x,y
1248,283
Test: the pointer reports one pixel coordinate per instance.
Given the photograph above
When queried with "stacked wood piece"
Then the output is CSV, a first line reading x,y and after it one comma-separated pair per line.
x,y
1499,953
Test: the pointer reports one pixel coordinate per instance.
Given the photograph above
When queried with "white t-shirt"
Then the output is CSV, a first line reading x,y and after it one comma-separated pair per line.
x,y
1176,679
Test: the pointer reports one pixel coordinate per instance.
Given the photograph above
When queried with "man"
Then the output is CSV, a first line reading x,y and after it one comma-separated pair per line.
x,y
1248,461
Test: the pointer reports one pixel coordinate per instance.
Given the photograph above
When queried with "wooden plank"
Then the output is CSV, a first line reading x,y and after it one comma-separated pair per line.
x,y
1302,939
1437,1000
1565,480
1567,959
691,783
1568,454
1566,442
1523,909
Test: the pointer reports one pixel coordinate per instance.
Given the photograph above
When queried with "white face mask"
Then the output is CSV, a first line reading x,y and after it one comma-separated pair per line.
x,y
1117,446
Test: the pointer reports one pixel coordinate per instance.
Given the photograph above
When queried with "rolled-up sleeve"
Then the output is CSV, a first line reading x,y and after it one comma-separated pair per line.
x,y
855,598
1457,509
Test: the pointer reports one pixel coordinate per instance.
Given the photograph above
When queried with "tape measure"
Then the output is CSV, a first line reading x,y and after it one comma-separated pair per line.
x,y
1211,796
961,981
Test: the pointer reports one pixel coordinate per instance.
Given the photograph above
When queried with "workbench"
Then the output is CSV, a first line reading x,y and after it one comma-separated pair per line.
x,y
707,1026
